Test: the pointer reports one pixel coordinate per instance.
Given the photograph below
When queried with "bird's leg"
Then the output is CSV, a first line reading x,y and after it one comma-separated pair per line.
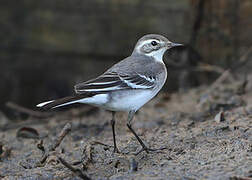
x,y
130,118
113,129
144,147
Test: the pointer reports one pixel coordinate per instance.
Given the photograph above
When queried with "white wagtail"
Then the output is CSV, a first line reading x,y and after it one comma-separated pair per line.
x,y
127,85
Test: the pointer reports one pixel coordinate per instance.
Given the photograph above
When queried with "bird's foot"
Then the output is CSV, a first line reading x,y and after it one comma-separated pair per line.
x,y
116,150
147,150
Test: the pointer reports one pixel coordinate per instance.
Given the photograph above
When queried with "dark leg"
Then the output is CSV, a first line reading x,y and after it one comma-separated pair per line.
x,y
144,147
113,129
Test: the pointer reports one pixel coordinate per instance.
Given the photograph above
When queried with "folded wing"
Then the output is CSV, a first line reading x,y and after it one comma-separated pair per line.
x,y
112,81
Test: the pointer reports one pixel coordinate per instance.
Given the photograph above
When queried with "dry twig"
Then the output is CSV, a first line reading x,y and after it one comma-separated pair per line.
x,y
25,110
76,171
55,143
204,67
218,81
242,60
21,124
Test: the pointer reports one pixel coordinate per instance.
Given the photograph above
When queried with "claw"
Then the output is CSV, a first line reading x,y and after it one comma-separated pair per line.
x,y
147,150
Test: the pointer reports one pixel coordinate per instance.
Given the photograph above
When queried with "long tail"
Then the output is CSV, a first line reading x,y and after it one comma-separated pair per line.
x,y
62,102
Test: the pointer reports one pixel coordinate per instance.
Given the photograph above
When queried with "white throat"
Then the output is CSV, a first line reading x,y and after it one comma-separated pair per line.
x,y
157,55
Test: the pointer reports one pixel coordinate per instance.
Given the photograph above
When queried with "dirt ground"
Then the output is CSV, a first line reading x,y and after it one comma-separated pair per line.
x,y
207,133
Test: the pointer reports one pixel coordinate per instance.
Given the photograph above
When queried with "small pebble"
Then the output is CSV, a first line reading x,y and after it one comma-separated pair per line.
x,y
219,117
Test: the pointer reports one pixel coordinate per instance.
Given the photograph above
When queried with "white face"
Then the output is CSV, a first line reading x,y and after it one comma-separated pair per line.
x,y
153,47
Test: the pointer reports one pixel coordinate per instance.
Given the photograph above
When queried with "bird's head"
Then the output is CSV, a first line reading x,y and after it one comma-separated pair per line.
x,y
153,45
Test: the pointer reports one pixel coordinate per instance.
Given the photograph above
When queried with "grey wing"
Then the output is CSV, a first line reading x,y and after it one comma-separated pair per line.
x,y
112,81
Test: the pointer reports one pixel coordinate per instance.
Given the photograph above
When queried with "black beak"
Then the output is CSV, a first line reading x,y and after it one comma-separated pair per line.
x,y
175,44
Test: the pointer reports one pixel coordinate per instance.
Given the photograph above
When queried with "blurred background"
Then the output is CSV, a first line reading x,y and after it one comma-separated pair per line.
x,y
48,46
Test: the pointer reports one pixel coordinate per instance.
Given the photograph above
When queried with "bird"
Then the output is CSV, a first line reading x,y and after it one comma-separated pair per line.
x,y
127,85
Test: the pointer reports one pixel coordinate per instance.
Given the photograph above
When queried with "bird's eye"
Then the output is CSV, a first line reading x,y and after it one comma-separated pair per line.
x,y
154,43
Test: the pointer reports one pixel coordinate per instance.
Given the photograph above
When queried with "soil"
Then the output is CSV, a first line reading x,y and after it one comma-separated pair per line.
x,y
207,134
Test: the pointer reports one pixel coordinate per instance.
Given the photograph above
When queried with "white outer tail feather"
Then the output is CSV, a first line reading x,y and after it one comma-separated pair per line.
x,y
44,103
64,104
95,100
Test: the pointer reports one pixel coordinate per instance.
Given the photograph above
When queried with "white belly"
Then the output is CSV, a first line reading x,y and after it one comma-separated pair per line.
x,y
129,100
